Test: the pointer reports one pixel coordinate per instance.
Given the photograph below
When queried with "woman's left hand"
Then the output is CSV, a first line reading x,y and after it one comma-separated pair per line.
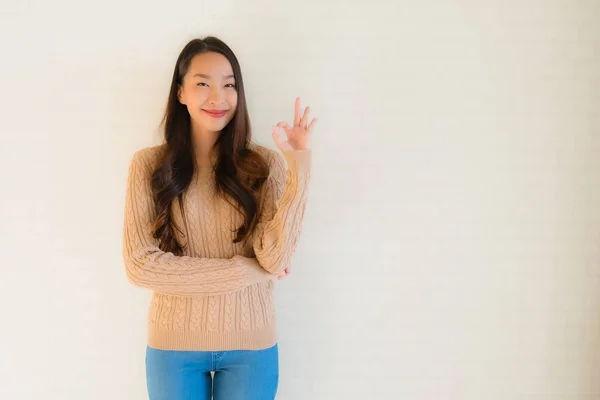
x,y
298,136
284,274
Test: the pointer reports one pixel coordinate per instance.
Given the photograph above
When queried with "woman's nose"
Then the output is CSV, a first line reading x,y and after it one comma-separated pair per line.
x,y
215,96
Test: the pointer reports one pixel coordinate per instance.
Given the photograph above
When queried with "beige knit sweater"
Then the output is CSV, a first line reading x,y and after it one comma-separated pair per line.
x,y
219,294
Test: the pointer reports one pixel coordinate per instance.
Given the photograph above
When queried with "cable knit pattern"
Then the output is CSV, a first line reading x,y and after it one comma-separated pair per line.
x,y
283,211
219,294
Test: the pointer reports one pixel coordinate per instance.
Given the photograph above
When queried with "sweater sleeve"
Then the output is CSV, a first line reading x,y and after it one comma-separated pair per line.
x,y
282,211
149,267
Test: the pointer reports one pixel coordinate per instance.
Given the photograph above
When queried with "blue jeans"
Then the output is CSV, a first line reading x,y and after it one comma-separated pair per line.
x,y
238,374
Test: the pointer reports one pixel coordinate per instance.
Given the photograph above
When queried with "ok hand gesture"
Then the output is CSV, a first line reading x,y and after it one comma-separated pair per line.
x,y
297,136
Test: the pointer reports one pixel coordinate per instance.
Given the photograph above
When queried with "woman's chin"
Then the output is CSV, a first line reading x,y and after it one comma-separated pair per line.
x,y
211,126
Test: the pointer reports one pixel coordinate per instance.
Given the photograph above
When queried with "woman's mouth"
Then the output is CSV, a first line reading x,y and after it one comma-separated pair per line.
x,y
216,113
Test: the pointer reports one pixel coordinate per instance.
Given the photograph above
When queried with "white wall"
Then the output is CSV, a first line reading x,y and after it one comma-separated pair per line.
x,y
451,245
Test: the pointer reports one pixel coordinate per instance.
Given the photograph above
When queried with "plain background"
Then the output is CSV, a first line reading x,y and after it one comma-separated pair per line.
x,y
451,244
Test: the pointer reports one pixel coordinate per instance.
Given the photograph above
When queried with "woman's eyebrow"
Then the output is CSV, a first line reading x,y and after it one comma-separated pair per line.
x,y
208,76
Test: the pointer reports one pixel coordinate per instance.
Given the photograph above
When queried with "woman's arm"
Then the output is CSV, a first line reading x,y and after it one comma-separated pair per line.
x,y
149,267
282,211
285,194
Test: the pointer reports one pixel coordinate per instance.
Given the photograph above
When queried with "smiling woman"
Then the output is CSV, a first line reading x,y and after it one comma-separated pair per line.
x,y
209,93
211,220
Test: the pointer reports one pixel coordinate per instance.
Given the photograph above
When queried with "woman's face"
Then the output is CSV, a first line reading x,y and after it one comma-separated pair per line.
x,y
208,91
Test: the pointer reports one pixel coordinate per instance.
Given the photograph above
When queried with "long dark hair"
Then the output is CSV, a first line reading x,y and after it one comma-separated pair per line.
x,y
240,172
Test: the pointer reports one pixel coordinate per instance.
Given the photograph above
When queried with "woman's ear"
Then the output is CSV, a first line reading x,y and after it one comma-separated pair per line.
x,y
180,94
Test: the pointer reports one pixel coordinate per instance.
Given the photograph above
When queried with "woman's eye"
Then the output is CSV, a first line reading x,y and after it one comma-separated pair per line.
x,y
202,84
230,85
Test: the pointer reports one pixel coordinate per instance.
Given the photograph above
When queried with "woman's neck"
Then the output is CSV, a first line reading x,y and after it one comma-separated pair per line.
x,y
203,142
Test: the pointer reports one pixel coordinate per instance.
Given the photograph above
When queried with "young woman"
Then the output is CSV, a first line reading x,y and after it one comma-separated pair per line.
x,y
211,220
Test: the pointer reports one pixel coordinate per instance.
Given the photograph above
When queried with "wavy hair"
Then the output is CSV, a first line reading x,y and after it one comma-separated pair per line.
x,y
240,172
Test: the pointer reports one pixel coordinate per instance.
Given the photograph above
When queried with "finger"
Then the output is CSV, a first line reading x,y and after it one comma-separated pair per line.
x,y
312,124
277,138
282,143
297,112
280,277
286,127
304,119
